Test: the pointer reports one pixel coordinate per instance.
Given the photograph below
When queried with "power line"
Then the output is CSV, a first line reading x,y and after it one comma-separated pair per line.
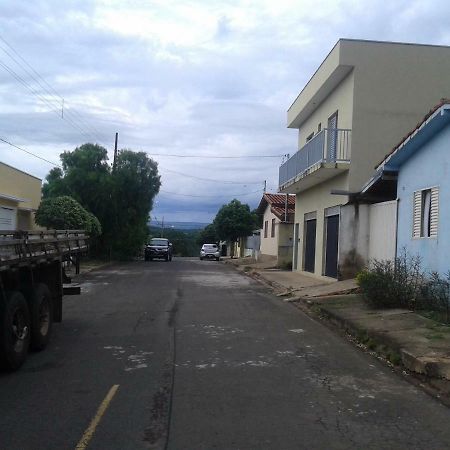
x,y
54,97
30,153
215,157
207,179
40,78
210,196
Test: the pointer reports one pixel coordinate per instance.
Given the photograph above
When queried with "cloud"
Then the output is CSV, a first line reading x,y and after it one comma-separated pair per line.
x,y
180,77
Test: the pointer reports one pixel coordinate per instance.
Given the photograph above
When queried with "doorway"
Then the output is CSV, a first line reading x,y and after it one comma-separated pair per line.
x,y
310,245
331,245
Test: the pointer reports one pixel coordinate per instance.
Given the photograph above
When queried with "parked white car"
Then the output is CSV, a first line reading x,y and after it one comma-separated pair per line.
x,y
210,251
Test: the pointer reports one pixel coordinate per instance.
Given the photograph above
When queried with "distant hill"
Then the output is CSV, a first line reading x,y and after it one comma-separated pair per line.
x,y
180,225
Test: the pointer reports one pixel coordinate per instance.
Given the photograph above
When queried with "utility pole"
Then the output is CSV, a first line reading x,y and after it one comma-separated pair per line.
x,y
162,227
286,208
265,185
115,151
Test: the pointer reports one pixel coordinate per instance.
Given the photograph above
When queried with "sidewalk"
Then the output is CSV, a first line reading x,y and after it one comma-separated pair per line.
x,y
406,339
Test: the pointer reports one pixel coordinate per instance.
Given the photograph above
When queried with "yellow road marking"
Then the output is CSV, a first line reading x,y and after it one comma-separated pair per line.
x,y
89,433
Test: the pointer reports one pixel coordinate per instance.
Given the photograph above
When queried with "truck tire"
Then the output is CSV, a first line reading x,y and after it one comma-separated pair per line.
x,y
41,316
15,324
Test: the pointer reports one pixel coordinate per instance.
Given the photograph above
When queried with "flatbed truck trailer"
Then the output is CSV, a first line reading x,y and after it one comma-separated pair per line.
x,y
32,279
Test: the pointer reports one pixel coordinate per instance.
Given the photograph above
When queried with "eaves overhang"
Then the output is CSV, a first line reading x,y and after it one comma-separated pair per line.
x,y
306,103
13,198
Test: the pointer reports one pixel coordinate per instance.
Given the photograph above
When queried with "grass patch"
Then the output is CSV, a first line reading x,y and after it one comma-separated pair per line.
x,y
394,358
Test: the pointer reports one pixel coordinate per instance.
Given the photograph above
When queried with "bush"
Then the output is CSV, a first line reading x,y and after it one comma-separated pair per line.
x,y
436,295
66,213
393,284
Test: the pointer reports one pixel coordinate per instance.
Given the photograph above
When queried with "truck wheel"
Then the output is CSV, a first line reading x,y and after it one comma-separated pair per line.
x,y
41,316
14,331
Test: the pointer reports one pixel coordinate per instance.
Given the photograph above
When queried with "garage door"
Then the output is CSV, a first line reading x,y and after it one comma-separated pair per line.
x,y
7,218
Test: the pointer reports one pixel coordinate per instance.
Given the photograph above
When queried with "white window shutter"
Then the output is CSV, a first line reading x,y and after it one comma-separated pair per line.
x,y
417,213
434,215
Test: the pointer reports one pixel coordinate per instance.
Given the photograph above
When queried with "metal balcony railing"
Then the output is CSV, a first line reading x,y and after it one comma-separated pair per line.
x,y
330,145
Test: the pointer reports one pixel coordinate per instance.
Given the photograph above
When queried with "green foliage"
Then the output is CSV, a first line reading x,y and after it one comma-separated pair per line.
x,y
436,296
121,199
258,219
208,235
393,284
185,243
234,220
66,213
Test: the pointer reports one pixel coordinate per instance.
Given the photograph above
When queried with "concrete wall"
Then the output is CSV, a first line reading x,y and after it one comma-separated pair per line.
x,y
285,242
317,199
383,231
429,167
353,239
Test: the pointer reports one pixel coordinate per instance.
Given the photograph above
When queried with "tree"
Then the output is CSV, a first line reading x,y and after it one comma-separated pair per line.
x,y
121,198
234,220
66,213
208,235
135,183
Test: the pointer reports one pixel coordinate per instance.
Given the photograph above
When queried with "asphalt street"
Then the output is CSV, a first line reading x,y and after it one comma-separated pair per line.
x,y
192,355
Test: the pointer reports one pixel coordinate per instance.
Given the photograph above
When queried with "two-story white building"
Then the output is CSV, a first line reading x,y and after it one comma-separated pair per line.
x,y
361,101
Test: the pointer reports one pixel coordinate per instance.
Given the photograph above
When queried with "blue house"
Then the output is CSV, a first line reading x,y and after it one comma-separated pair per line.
x,y
421,164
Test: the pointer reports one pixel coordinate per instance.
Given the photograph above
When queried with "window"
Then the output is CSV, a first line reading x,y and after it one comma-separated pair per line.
x,y
309,137
319,127
266,226
272,230
426,213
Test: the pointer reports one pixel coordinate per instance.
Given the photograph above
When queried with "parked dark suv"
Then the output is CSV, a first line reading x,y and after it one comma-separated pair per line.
x,y
158,248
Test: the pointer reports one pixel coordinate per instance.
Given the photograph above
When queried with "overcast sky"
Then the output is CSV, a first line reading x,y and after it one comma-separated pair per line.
x,y
193,78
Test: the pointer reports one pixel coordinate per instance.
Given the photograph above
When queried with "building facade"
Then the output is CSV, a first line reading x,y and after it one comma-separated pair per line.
x,y
20,195
276,235
362,99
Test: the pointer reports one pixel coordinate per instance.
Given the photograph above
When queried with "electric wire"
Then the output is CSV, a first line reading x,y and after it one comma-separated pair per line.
x,y
86,130
210,196
214,156
38,78
208,179
30,153
40,97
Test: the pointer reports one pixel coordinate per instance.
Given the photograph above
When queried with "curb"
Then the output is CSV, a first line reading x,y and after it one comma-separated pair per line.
x,y
433,371
422,372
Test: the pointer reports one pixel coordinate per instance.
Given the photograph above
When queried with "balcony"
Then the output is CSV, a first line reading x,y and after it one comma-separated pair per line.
x,y
326,155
